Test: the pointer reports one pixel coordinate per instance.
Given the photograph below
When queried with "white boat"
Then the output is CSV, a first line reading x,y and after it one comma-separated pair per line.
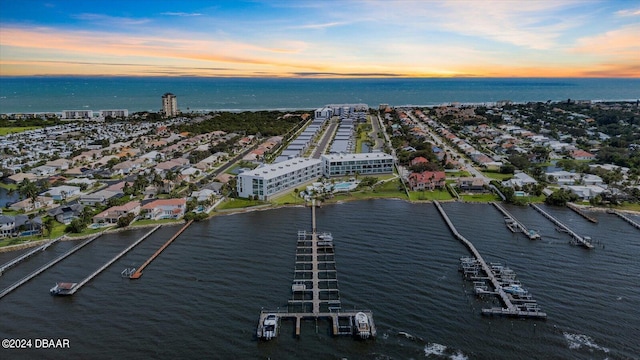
x,y
363,326
62,288
533,235
514,289
269,327
325,239
298,286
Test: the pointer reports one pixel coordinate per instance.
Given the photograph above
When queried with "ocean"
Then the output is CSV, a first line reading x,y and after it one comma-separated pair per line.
x,y
201,298
55,94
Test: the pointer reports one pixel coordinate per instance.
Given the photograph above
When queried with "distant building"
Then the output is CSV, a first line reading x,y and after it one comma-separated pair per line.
x,y
118,113
77,114
169,105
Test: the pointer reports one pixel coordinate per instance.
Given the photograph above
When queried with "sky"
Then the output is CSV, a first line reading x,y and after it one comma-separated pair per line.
x,y
332,38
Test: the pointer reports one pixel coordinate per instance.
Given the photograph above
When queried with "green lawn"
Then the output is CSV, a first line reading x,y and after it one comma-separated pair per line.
x,y
288,198
497,176
154,222
480,197
9,186
16,129
238,204
430,195
458,174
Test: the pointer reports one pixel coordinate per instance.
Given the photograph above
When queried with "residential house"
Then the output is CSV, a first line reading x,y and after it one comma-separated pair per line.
x,y
98,197
165,209
65,213
519,180
112,214
203,195
419,160
582,155
471,184
62,192
427,180
26,205
19,177
19,225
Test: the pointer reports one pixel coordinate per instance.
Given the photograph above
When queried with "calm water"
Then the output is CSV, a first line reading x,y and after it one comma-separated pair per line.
x,y
202,297
41,94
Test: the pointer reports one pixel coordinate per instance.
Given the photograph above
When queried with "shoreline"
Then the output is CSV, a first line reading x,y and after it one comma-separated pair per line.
x,y
266,207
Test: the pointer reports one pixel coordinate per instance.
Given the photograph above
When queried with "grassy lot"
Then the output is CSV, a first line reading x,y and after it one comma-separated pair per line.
x,y
458,174
497,176
480,197
390,189
16,129
627,206
430,195
288,198
9,186
239,203
15,240
155,222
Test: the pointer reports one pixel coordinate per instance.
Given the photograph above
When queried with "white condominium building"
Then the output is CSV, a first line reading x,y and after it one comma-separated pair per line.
x,y
362,164
268,180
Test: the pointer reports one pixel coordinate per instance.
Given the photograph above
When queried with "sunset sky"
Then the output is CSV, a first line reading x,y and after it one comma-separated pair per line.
x,y
339,38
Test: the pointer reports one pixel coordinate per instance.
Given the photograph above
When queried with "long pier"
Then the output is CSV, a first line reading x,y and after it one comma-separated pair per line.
x,y
46,266
625,218
315,290
514,224
138,273
114,259
582,213
579,239
511,309
27,255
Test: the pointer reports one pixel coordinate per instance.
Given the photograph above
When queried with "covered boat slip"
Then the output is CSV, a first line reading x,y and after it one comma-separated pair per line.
x,y
315,291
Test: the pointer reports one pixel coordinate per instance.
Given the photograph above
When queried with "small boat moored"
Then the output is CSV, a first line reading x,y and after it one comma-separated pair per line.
x,y
62,288
363,325
269,328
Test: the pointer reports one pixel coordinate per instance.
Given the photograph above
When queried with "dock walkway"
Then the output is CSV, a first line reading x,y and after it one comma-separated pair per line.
x,y
511,309
518,226
315,288
46,266
582,213
138,273
579,239
114,259
27,255
625,218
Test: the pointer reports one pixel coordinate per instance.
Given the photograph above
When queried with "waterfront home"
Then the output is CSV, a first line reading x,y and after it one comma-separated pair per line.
x,y
427,180
587,192
42,202
471,184
112,214
582,155
98,197
62,192
19,225
164,209
19,177
66,213
519,180
203,195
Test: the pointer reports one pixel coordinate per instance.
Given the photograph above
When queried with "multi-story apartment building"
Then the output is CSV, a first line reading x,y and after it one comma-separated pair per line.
x,y
362,164
269,180
169,105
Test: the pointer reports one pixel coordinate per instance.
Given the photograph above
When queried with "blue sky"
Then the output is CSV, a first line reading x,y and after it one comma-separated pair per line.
x,y
321,38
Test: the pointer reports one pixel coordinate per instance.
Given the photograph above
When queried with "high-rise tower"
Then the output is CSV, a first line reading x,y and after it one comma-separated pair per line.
x,y
169,105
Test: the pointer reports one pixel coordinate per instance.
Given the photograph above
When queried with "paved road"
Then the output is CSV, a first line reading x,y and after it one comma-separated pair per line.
x,y
324,141
375,129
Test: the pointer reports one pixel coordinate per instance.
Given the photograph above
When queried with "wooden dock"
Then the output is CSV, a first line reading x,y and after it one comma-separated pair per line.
x,y
511,309
314,289
138,273
577,238
45,267
27,255
108,263
625,218
515,223
582,213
